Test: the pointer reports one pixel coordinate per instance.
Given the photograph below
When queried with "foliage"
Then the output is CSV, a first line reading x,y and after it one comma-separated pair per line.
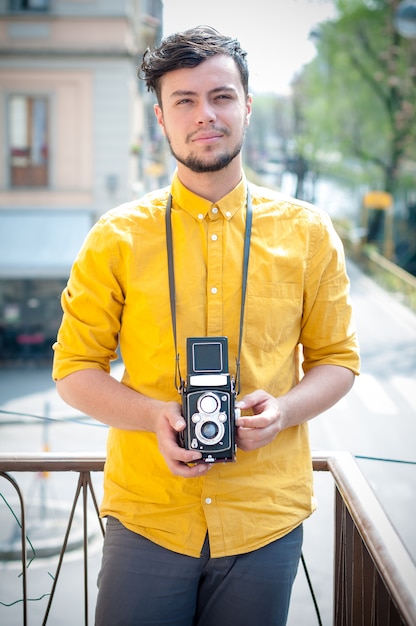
x,y
357,98
269,134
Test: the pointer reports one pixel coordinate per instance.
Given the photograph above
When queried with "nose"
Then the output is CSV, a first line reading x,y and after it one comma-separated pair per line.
x,y
204,113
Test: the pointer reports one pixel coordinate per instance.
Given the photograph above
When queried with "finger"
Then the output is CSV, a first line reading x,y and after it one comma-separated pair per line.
x,y
259,433
262,420
178,423
252,399
190,471
172,450
252,441
175,418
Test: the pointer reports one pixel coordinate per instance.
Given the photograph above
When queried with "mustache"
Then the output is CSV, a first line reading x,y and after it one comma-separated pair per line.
x,y
215,129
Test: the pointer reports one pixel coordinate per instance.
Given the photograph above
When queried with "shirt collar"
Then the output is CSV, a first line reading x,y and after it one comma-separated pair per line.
x,y
199,207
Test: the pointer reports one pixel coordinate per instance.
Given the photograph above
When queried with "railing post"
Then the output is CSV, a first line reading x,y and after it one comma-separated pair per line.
x,y
23,540
84,481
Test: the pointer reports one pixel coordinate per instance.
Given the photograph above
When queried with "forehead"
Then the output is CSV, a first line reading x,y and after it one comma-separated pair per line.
x,y
218,71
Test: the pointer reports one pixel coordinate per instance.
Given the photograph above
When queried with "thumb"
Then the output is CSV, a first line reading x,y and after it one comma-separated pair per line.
x,y
174,417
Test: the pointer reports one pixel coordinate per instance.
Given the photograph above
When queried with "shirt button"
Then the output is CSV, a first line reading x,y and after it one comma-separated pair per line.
x,y
208,500
214,290
215,210
228,214
200,216
214,237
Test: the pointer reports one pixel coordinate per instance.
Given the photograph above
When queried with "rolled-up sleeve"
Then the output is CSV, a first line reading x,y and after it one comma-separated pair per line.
x,y
92,303
328,332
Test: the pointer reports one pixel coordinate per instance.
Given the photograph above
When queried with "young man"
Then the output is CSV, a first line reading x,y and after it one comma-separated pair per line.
x,y
205,543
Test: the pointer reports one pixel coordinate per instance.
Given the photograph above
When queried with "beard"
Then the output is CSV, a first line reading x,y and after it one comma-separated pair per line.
x,y
201,165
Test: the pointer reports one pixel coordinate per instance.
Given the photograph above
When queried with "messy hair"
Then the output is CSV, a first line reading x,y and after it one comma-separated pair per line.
x,y
189,49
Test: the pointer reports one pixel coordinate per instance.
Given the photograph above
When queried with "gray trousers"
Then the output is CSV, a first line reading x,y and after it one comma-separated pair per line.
x,y
142,584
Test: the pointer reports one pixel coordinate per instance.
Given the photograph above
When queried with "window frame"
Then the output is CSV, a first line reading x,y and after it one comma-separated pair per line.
x,y
35,175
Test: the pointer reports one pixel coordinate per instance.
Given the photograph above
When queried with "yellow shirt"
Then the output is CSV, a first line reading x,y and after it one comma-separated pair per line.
x,y
297,292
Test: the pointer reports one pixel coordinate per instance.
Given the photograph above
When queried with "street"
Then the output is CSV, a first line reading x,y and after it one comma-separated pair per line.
x,y
376,422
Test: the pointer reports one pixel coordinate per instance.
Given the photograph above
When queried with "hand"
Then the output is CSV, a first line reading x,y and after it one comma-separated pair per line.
x,y
169,423
256,431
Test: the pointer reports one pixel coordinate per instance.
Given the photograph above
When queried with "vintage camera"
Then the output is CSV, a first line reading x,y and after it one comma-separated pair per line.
x,y
208,400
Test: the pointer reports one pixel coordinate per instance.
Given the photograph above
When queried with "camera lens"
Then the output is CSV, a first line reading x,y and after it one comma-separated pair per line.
x,y
209,430
208,403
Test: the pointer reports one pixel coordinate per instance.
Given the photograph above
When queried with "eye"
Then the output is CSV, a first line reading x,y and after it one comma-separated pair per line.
x,y
184,101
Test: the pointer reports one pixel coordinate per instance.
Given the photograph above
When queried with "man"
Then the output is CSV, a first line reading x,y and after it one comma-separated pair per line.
x,y
187,542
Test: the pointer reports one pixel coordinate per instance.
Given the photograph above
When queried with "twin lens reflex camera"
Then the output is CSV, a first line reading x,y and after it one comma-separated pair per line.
x,y
208,400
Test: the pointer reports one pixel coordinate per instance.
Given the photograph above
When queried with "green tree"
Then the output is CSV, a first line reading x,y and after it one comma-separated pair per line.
x,y
358,96
269,133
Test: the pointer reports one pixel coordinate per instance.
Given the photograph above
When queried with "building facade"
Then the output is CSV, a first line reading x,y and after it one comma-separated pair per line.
x,y
73,126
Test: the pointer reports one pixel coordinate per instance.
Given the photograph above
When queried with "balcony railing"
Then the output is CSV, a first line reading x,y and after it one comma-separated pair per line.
x,y
374,575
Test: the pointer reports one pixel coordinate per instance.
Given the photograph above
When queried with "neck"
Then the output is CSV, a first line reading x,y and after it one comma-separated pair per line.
x,y
211,185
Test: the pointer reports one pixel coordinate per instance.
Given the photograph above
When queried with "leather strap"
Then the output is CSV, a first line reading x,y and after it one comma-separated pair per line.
x,y
172,292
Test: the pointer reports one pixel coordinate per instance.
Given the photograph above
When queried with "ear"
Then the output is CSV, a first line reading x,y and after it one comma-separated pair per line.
x,y
159,116
249,108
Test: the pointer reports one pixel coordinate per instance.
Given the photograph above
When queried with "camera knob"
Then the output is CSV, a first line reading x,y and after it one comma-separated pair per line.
x,y
196,418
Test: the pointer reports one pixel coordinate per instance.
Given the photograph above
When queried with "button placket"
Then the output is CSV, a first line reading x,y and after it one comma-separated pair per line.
x,y
214,274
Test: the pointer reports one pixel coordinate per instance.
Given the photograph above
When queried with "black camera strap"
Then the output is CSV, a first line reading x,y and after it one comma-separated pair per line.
x,y
172,293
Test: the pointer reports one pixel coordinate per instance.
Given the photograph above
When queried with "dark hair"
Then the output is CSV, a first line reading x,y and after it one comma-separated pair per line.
x,y
189,49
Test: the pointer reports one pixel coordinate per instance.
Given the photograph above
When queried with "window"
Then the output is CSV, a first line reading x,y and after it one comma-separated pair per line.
x,y
29,5
30,315
28,145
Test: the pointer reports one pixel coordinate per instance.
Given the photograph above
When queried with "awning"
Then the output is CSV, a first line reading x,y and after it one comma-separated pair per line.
x,y
41,244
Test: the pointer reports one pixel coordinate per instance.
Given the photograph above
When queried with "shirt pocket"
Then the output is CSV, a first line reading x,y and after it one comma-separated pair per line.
x,y
273,314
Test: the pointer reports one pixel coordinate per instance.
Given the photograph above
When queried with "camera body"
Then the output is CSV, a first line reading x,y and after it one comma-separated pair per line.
x,y
208,400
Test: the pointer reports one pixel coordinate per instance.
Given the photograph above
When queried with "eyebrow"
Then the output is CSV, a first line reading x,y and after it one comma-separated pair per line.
x,y
185,92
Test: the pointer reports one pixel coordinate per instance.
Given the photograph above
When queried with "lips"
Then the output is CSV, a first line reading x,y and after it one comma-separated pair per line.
x,y
207,136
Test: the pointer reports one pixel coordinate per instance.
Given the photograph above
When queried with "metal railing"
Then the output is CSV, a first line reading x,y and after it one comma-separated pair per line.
x,y
45,463
384,272
374,575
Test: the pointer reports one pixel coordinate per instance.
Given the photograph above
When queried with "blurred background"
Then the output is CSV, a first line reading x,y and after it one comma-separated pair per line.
x,y
334,123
